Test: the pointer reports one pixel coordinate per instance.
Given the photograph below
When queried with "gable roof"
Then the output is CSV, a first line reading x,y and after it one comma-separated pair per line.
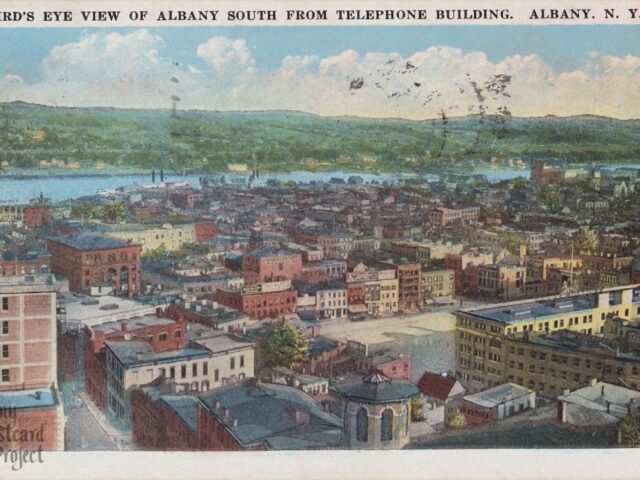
x,y
436,386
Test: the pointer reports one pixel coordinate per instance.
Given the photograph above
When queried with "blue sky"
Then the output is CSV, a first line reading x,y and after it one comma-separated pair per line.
x,y
22,50
553,70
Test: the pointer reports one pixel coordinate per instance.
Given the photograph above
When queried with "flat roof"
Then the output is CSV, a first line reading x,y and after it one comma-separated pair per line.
x,y
221,342
136,352
96,310
524,310
28,283
600,394
32,398
497,395
132,323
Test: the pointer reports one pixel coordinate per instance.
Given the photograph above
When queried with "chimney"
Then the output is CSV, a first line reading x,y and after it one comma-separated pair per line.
x,y
566,392
234,424
325,407
139,356
593,382
216,405
225,413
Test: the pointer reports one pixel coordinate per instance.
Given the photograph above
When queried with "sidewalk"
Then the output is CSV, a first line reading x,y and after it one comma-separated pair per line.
x,y
122,438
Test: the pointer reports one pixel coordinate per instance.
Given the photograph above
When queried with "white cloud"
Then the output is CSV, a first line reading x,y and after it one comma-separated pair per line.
x,y
132,70
226,55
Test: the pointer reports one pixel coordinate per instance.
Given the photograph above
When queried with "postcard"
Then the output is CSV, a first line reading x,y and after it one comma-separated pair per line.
x,y
318,239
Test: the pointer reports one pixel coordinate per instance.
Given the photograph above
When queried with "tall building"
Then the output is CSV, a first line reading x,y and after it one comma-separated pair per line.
x,y
96,261
28,364
482,333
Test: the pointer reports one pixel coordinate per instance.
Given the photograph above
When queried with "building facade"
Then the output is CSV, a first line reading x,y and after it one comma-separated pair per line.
x,y
94,261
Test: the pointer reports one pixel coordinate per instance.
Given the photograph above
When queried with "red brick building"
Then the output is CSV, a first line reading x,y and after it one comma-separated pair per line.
x,y
185,199
95,260
16,264
393,366
205,230
163,334
273,263
36,215
225,419
32,420
262,300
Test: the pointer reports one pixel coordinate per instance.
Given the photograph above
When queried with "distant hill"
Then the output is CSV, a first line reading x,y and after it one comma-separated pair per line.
x,y
31,135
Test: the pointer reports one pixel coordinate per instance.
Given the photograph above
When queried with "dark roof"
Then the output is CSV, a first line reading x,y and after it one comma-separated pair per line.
x,y
87,241
266,252
267,413
376,388
186,407
436,386
139,352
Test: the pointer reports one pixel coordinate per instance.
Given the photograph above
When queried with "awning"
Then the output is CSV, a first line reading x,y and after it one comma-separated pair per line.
x,y
358,309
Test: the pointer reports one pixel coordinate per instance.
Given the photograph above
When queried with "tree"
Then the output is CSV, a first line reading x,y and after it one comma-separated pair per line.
x,y
417,414
283,346
584,240
455,419
550,197
114,212
519,189
629,430
84,211
511,241
158,253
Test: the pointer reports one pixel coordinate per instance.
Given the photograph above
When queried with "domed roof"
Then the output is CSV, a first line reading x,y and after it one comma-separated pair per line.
x,y
377,388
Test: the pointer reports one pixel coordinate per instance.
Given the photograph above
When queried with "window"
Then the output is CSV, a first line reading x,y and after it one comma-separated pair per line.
x,y
241,361
5,375
5,303
216,374
205,368
178,334
362,425
386,427
163,372
194,369
162,337
233,362
5,328
5,351
172,372
183,371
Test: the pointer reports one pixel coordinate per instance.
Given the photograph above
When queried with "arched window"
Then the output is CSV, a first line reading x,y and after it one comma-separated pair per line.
x,y
386,430
362,425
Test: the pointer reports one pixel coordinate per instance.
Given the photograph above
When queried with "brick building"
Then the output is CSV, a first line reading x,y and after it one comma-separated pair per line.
x,y
16,264
163,333
265,300
28,364
96,261
205,230
225,420
272,263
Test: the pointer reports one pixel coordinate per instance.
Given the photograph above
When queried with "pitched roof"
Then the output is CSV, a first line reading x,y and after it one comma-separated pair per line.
x,y
435,385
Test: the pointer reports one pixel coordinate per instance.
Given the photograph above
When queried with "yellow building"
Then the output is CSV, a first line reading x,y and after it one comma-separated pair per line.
x,y
481,333
153,237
